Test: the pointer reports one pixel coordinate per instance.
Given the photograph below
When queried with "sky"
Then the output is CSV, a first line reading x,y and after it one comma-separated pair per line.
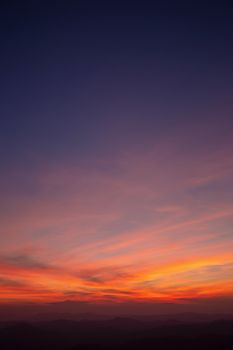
x,y
116,153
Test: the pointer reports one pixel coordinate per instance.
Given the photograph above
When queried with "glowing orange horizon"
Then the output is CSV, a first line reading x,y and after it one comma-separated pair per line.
x,y
153,232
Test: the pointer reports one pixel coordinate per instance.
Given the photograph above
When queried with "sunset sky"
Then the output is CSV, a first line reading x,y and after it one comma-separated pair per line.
x,y
116,153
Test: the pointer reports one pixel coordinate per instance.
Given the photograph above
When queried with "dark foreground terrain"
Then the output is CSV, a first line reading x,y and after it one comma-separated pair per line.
x,y
118,333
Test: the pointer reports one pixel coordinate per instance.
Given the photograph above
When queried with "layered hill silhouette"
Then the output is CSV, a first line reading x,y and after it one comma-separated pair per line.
x,y
118,333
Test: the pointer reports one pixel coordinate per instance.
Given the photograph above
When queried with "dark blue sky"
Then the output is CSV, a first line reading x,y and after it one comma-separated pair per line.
x,y
93,76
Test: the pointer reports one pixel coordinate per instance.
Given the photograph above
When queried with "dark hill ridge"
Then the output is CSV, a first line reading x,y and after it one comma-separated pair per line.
x,y
118,333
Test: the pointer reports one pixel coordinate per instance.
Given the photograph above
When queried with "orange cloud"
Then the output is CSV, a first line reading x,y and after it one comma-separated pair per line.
x,y
138,227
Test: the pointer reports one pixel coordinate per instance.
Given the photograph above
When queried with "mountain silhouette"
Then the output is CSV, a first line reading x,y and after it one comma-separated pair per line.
x,y
118,333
